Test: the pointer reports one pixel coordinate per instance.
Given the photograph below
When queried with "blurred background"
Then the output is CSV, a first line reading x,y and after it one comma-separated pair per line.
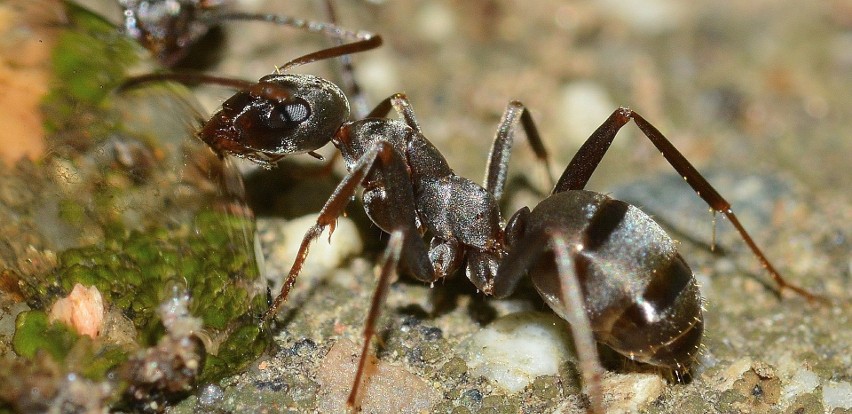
x,y
754,84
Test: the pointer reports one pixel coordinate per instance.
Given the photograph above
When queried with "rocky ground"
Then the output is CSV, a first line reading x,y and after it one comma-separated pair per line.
x,y
754,94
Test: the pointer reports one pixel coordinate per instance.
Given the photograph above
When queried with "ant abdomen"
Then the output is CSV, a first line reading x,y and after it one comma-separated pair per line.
x,y
640,296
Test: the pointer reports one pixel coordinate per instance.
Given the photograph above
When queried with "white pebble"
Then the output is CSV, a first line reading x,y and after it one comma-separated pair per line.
x,y
210,395
436,22
324,254
654,17
803,382
515,349
837,395
630,393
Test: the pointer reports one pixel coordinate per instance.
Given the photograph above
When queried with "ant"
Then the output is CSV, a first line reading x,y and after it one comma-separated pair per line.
x,y
599,263
170,28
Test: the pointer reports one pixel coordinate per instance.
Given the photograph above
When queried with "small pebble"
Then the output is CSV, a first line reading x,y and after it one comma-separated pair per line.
x,y
210,395
515,349
586,104
629,393
837,395
386,388
326,254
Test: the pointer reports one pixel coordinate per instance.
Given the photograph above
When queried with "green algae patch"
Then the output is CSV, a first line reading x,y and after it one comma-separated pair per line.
x,y
241,347
33,333
135,272
90,60
130,204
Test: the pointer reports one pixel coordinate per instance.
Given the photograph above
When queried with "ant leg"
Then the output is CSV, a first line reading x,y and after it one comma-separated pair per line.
x,y
495,176
331,30
239,84
567,302
498,161
382,156
589,156
382,109
400,103
388,264
581,328
356,94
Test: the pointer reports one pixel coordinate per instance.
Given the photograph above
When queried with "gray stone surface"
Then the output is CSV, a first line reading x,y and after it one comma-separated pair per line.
x,y
756,91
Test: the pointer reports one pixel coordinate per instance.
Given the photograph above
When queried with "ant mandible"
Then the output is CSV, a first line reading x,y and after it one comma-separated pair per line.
x,y
601,264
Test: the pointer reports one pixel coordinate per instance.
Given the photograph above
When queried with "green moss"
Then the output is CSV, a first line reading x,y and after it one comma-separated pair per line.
x,y
134,272
33,333
216,283
142,236
242,346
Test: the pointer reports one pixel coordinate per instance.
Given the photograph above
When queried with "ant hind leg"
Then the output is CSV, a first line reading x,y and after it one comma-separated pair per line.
x,y
589,156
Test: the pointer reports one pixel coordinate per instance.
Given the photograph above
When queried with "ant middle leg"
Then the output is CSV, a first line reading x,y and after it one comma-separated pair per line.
x,y
498,160
589,156
565,289
581,329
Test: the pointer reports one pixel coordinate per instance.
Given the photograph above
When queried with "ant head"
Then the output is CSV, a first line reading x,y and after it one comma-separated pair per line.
x,y
281,114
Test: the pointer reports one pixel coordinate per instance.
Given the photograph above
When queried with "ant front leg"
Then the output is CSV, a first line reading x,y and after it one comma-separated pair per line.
x,y
382,172
398,102
380,156
589,156
388,264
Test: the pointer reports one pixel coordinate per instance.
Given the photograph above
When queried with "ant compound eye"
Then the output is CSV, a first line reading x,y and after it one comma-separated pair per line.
x,y
286,114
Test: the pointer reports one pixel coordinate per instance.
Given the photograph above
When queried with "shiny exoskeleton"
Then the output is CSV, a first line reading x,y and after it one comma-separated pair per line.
x,y
640,296
170,28
599,263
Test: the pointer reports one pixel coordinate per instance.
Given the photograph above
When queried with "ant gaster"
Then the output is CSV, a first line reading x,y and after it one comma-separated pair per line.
x,y
601,264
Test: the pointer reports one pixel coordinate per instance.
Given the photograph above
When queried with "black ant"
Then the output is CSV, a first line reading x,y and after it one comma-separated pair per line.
x,y
601,264
170,28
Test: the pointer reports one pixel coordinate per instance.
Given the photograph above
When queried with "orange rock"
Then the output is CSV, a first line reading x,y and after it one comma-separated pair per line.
x,y
82,310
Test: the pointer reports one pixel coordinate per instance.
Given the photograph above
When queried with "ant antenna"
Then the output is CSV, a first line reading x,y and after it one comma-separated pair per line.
x,y
369,43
